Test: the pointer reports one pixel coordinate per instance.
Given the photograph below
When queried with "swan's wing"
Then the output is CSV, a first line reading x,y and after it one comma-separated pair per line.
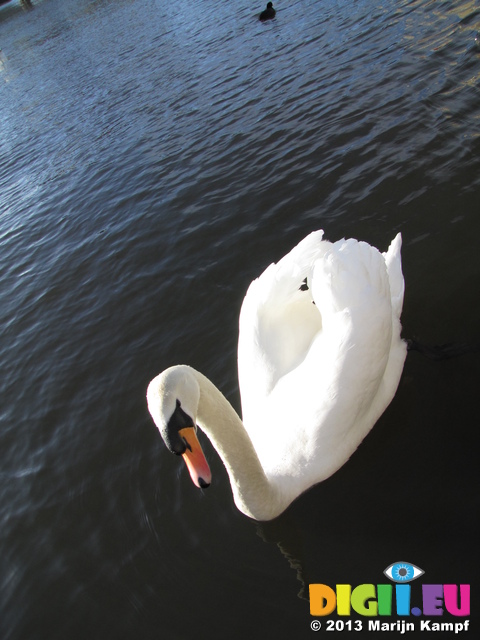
x,y
278,322
318,367
398,349
393,261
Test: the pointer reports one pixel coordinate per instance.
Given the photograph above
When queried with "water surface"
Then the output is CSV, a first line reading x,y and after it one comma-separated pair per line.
x,y
154,158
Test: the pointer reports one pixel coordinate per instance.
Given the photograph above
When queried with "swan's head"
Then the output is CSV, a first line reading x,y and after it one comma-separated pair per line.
x,y
172,399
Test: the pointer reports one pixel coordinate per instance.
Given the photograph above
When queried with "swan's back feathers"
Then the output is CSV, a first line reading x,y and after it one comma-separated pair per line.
x,y
319,365
278,320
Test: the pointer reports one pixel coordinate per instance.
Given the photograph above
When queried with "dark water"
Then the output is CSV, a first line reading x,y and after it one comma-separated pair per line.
x,y
154,158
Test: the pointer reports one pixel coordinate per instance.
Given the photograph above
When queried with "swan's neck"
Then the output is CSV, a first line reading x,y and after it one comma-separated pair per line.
x,y
254,495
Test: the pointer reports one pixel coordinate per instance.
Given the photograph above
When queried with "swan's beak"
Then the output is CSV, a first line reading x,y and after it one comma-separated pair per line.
x,y
195,460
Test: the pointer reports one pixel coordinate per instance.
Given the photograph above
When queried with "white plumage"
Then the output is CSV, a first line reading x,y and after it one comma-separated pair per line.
x,y
319,360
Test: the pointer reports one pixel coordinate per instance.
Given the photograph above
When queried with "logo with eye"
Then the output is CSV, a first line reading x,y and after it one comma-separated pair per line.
x,y
403,572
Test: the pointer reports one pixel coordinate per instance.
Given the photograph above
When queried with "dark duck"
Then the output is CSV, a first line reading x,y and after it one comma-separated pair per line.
x,y
268,14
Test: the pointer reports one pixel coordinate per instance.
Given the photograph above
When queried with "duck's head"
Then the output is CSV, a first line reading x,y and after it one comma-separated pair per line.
x,y
172,401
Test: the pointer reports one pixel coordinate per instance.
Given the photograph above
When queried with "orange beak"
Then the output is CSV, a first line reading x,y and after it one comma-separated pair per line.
x,y
195,460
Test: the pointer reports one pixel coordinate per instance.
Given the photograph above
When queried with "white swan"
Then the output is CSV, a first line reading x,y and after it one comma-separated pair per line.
x,y
319,360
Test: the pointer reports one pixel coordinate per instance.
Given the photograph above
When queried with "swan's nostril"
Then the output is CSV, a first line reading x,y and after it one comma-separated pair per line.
x,y
203,484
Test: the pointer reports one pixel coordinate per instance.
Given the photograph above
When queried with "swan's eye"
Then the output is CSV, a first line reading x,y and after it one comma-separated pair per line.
x,y
178,420
403,572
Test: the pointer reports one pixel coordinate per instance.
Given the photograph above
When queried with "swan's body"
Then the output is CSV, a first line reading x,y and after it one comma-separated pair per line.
x,y
319,360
